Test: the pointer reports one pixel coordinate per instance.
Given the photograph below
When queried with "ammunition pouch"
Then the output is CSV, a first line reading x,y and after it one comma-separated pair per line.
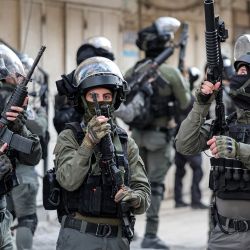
x,y
97,198
8,182
229,179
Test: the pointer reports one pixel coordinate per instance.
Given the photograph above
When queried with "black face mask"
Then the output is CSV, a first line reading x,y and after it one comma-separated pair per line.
x,y
240,91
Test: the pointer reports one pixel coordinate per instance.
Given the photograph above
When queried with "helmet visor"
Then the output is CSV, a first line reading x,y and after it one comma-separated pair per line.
x,y
242,46
10,64
95,66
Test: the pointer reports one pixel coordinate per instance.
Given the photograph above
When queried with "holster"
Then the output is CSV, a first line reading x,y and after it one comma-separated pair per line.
x,y
51,191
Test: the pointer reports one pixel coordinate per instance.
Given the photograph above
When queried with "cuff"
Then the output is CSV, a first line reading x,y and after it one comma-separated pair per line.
x,y
202,109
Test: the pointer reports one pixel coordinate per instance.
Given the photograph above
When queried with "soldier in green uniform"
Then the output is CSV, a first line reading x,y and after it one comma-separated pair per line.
x,y
92,215
22,199
230,174
64,111
11,70
153,123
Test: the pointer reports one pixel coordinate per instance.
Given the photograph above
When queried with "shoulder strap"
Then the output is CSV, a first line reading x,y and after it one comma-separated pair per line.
x,y
76,129
123,137
121,133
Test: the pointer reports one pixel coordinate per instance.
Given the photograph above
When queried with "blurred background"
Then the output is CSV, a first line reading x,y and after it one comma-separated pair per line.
x,y
62,26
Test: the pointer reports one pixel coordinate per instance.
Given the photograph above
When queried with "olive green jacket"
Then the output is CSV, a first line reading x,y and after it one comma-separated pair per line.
x,y
73,164
194,133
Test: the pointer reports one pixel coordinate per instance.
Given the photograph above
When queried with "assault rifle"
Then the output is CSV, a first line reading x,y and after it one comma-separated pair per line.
x,y
215,34
183,45
148,69
108,162
17,98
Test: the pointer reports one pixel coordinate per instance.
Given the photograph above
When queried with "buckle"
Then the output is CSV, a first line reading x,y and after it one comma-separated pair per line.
x,y
103,230
240,225
2,215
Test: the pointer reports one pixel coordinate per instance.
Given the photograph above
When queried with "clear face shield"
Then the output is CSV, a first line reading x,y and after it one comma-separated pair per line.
x,y
11,68
242,46
96,66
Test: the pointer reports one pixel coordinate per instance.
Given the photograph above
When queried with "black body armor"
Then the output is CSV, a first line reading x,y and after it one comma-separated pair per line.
x,y
95,197
229,178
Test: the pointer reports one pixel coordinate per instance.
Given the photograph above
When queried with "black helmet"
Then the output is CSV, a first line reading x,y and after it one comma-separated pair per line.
x,y
239,83
10,64
95,46
100,72
242,61
154,38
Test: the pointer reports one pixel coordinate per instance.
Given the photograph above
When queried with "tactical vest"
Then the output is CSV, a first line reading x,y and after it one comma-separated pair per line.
x,y
155,106
95,197
229,178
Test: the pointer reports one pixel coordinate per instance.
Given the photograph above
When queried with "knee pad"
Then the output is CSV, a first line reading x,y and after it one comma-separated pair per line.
x,y
157,189
29,221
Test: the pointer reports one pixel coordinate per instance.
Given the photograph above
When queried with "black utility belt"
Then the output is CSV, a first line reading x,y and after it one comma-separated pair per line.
x,y
98,230
237,225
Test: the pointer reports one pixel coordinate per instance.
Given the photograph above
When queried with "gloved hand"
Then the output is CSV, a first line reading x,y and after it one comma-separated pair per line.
x,y
5,165
206,92
97,128
18,117
128,195
17,125
223,146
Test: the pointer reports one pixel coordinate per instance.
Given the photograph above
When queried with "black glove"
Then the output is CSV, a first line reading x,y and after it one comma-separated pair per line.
x,y
17,125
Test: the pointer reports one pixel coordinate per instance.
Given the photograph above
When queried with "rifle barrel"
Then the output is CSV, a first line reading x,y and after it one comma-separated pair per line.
x,y
163,56
209,15
38,57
